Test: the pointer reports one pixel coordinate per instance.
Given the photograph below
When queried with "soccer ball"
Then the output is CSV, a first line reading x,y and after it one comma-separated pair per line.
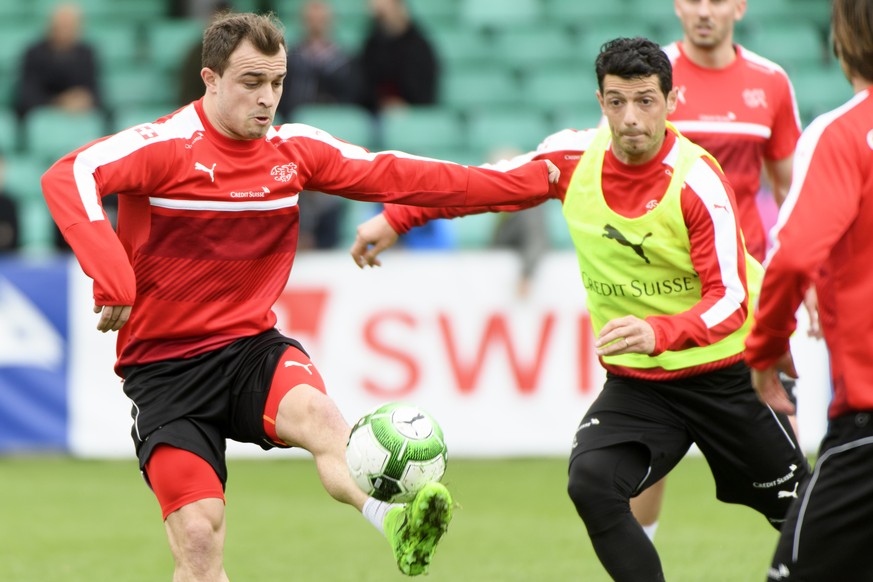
x,y
394,451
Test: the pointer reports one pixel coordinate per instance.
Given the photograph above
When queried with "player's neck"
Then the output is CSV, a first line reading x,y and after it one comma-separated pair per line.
x,y
860,84
714,57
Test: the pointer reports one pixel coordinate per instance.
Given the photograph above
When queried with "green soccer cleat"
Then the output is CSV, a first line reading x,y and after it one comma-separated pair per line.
x,y
415,529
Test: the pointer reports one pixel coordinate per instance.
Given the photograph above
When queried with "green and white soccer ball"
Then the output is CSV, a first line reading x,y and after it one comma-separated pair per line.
x,y
394,451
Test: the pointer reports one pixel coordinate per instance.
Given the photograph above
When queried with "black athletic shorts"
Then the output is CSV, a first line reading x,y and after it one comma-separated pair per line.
x,y
829,532
197,403
751,450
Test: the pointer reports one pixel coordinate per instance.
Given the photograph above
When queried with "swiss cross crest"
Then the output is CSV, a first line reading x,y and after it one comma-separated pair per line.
x,y
284,173
146,131
755,98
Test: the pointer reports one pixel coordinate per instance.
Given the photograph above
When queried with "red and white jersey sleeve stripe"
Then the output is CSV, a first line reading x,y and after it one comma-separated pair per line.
x,y
823,237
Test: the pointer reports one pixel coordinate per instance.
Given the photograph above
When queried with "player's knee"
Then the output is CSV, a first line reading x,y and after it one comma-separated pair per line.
x,y
589,485
197,532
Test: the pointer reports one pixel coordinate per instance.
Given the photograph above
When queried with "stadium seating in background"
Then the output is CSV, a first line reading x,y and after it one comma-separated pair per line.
x,y
556,89
820,89
42,9
480,87
761,14
422,130
15,12
579,117
117,42
137,87
556,226
578,16
475,231
657,15
519,128
121,10
794,46
528,49
593,37
23,174
433,14
168,41
8,132
462,46
349,123
501,13
49,133
15,37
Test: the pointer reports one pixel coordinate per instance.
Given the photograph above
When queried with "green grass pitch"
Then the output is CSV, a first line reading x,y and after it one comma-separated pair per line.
x,y
93,521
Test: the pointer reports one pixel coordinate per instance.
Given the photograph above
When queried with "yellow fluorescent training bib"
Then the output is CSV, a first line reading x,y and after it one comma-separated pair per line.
x,y
642,266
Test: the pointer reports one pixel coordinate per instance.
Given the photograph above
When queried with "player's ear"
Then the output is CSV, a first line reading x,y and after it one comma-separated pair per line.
x,y
739,10
671,100
210,78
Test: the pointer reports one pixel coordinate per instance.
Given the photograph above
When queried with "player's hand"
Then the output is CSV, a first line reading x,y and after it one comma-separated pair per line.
x,y
554,172
625,335
112,317
770,389
373,237
810,301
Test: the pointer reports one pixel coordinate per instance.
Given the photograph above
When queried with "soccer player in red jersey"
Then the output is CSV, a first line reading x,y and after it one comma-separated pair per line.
x,y
669,286
737,105
823,237
740,107
206,238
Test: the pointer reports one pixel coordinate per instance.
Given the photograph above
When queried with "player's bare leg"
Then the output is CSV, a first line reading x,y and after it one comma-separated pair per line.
x,y
196,535
646,507
309,419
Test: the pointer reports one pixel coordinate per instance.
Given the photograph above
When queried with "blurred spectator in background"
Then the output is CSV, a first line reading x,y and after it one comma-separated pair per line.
x,y
9,225
191,86
319,70
60,69
321,219
399,65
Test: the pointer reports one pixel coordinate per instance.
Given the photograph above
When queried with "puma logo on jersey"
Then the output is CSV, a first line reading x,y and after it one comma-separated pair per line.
x,y
613,233
784,494
304,366
201,168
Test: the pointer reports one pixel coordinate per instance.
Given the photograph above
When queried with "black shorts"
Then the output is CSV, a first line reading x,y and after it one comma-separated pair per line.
x,y
828,533
197,403
752,451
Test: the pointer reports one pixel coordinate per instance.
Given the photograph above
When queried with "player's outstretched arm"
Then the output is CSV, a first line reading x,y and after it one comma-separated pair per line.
x,y
373,237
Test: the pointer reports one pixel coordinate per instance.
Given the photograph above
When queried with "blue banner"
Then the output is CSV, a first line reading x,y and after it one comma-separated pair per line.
x,y
33,354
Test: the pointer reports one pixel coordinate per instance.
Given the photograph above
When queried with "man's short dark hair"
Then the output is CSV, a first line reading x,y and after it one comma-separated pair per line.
x,y
634,58
227,30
